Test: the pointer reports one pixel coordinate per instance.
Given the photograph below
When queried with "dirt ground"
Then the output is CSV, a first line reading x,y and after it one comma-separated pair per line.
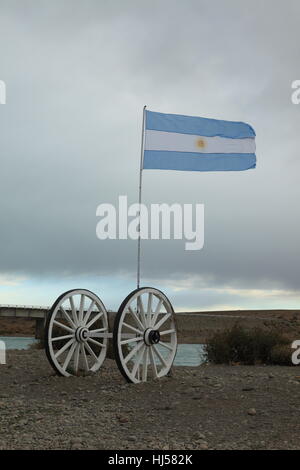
x,y
205,407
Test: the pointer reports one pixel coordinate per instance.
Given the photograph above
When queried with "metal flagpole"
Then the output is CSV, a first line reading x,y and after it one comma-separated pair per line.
x,y
140,201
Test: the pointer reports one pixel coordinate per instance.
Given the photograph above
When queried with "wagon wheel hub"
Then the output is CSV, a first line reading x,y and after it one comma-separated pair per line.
x,y
82,334
151,336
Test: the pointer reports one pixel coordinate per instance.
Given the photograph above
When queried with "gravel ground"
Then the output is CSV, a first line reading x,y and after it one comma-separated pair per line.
x,y
206,407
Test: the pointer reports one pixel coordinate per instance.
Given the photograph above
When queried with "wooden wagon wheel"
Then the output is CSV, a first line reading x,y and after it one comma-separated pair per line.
x,y
76,333
146,316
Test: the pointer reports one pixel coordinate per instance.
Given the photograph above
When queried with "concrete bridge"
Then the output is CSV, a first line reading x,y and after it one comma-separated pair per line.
x,y
27,311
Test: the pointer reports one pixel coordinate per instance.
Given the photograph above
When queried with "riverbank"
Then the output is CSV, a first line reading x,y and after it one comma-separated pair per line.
x,y
206,407
17,327
193,327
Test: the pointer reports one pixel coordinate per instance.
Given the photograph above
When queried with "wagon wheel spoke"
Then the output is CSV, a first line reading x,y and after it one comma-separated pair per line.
x,y
67,317
132,340
89,349
138,321
60,338
162,321
165,345
156,313
90,340
128,335
138,360
64,327
73,310
167,332
81,308
97,333
153,363
145,365
84,358
93,320
69,356
130,327
149,309
141,311
133,352
162,360
63,349
88,313
149,304
76,358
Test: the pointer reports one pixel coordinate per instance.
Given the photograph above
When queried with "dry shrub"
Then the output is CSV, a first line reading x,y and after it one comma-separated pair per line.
x,y
249,346
281,355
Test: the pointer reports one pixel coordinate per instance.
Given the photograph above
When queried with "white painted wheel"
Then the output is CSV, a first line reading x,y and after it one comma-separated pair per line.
x,y
145,338
76,333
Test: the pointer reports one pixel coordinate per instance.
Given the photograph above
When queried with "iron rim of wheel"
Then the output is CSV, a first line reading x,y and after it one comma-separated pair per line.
x,y
76,333
145,337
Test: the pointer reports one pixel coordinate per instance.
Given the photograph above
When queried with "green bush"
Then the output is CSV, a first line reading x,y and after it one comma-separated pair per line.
x,y
253,346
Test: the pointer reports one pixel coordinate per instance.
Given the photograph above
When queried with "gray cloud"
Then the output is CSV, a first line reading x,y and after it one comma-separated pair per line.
x,y
78,74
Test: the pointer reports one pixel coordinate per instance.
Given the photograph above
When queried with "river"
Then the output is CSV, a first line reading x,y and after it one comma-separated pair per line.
x,y
187,354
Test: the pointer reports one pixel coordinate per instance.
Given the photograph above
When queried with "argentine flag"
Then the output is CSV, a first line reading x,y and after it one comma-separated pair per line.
x,y
186,143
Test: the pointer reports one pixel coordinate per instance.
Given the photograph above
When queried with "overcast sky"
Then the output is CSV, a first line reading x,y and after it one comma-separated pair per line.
x,y
78,74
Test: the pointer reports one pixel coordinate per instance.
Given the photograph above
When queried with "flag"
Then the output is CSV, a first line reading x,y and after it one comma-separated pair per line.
x,y
187,143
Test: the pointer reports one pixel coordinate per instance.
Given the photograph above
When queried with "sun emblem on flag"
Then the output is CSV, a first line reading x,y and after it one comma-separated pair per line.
x,y
200,143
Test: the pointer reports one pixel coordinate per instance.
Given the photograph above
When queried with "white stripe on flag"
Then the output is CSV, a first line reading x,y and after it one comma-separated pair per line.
x,y
174,142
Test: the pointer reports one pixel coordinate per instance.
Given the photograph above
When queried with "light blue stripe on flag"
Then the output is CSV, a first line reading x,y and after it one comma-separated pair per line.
x,y
197,125
189,161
